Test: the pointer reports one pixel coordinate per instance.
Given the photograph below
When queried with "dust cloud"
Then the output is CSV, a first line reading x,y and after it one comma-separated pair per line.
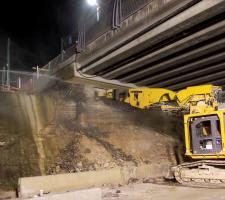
x,y
67,129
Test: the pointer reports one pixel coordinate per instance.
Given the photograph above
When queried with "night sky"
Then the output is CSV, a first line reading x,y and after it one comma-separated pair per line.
x,y
36,26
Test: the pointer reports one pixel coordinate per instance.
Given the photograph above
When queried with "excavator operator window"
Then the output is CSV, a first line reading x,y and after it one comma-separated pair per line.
x,y
204,130
205,135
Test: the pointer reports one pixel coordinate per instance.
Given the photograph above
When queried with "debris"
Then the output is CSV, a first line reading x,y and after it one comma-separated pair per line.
x,y
118,191
133,180
79,164
2,144
87,150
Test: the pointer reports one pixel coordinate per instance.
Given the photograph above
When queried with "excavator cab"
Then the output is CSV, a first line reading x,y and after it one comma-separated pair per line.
x,y
204,134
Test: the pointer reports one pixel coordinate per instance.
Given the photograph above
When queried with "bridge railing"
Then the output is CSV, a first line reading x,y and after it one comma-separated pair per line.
x,y
53,65
111,15
16,81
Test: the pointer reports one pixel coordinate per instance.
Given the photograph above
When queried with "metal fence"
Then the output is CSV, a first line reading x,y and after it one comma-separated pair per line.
x,y
29,82
18,81
129,7
111,15
66,54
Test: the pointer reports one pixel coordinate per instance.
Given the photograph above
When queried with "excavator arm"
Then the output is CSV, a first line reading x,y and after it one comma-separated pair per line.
x,y
195,99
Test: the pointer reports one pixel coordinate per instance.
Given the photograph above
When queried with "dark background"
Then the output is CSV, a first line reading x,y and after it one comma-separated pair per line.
x,y
35,28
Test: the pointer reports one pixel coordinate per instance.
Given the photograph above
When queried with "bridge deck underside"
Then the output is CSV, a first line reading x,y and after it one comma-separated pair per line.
x,y
187,49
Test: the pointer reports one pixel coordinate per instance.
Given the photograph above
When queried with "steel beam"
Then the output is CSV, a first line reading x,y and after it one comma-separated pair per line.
x,y
176,61
189,76
190,67
201,80
220,82
188,18
189,41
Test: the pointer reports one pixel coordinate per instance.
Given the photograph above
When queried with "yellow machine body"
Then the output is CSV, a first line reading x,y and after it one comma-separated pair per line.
x,y
147,97
109,93
197,102
198,99
204,128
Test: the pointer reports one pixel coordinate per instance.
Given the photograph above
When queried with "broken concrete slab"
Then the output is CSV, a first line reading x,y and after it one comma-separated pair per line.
x,y
93,194
31,186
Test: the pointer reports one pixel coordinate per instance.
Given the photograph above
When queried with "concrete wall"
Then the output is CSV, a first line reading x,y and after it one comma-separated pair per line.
x,y
22,117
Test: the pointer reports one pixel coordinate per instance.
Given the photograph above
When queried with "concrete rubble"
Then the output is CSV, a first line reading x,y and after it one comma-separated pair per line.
x,y
87,194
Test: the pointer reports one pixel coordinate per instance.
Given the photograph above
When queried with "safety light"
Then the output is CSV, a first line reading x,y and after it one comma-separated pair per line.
x,y
95,3
92,2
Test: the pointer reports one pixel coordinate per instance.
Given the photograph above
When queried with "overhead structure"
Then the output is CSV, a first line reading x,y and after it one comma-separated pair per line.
x,y
179,52
171,44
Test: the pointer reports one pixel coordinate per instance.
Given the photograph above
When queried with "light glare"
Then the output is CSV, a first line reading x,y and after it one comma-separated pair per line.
x,y
92,2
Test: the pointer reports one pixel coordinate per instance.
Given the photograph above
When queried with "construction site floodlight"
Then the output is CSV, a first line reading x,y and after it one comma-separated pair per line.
x,y
95,3
92,2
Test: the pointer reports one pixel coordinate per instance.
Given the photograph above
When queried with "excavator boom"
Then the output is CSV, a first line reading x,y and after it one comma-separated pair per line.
x,y
193,99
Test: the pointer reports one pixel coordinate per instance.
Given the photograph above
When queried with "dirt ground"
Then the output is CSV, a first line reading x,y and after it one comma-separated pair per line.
x,y
150,191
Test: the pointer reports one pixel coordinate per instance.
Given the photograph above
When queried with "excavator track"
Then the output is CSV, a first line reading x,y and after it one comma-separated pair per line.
x,y
205,173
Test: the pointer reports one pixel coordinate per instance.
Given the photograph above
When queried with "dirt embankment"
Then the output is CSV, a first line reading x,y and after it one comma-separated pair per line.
x,y
103,134
70,130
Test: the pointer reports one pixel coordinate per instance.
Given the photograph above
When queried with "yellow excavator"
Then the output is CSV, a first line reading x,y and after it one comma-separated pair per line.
x,y
204,128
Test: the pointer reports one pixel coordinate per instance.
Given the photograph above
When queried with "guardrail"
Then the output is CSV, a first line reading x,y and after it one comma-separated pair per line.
x,y
19,81
110,17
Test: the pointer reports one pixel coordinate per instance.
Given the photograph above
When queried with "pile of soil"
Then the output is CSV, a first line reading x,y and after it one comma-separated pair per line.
x,y
104,134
